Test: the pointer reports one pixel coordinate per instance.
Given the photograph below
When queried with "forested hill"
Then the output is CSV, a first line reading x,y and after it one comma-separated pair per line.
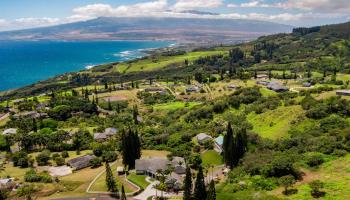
x,y
306,46
324,48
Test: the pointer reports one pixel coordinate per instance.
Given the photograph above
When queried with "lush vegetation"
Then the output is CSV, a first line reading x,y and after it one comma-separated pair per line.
x,y
275,144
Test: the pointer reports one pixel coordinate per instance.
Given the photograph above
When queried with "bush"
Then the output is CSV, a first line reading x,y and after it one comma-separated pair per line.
x,y
65,154
96,162
33,176
20,159
59,161
109,156
55,155
314,159
209,144
261,183
43,158
316,187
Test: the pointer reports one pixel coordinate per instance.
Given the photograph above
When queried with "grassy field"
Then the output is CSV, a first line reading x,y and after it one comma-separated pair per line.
x,y
150,64
138,180
336,176
175,105
275,124
211,157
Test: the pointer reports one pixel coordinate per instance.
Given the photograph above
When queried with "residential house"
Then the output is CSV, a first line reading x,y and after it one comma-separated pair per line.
x,y
343,92
232,87
80,162
262,83
152,166
306,84
262,76
277,87
202,137
10,131
192,89
108,133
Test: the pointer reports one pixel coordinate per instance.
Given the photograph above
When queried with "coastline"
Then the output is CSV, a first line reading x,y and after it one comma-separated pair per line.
x,y
122,55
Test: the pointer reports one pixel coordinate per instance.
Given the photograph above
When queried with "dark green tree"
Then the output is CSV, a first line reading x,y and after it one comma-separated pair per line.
x,y
188,184
228,146
131,148
200,192
211,191
110,181
123,196
35,127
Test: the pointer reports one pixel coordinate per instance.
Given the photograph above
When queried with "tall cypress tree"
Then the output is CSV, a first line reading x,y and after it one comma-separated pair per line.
x,y
211,191
200,192
188,184
135,113
228,146
35,127
110,181
123,196
131,148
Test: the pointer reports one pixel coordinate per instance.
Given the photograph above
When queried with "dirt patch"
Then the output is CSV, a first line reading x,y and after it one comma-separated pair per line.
x,y
116,98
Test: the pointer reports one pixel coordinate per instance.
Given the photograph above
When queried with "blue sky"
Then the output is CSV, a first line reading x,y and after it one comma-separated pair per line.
x,y
18,14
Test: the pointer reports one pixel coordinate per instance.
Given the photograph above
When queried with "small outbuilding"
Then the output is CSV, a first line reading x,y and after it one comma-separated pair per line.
x,y
80,162
277,87
343,92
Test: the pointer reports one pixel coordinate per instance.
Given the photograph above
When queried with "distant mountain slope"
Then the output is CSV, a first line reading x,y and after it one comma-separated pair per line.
x,y
178,29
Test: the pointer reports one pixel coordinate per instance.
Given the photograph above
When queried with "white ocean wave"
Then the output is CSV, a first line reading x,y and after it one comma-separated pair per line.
x,y
89,66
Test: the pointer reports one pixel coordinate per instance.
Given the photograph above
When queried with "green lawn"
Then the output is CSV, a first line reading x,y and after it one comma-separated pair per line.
x,y
100,184
175,105
150,64
139,180
275,124
211,157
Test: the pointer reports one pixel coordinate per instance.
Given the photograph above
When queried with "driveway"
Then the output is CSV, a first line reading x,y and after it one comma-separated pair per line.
x,y
150,191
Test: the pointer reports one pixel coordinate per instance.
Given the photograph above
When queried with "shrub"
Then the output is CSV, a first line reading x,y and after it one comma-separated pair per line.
x,y
209,144
95,162
65,154
316,187
261,183
314,159
109,156
55,155
43,158
59,161
33,176
20,159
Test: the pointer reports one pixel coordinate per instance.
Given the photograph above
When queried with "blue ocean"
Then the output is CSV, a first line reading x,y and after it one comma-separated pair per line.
x,y
24,63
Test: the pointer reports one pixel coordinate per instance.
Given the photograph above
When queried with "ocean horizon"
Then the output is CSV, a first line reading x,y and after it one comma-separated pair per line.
x,y
26,62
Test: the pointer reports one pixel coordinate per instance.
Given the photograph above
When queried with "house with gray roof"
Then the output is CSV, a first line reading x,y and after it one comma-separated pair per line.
x,y
108,133
152,166
10,131
202,137
80,162
277,87
343,92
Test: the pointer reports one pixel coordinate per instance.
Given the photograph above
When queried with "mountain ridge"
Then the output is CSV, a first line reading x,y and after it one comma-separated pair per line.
x,y
152,28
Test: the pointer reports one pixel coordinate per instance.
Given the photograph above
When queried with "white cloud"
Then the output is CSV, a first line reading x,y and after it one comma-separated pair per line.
x,y
98,10
194,4
251,4
330,6
46,21
3,22
264,17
